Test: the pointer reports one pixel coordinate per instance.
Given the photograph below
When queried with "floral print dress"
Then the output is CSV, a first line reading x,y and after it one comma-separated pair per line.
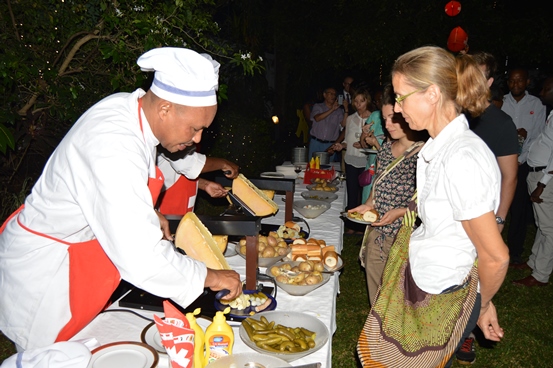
x,y
396,189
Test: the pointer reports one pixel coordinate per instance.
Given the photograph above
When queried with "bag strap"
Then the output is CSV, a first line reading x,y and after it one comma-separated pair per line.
x,y
394,163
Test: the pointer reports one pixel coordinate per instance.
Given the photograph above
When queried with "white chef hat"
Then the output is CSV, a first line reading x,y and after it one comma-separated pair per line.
x,y
182,76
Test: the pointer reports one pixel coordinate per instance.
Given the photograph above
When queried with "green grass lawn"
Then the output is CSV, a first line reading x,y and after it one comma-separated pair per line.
x,y
524,313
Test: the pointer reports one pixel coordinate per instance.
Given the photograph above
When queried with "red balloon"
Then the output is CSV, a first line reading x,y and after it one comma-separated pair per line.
x,y
458,39
453,8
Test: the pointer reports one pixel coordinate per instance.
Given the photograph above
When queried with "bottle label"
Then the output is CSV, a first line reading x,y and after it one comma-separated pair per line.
x,y
219,346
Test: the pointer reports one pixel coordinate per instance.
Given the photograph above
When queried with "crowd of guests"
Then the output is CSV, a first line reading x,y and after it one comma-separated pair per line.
x,y
442,120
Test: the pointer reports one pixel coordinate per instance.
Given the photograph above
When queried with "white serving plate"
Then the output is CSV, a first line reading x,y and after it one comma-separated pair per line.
x,y
124,354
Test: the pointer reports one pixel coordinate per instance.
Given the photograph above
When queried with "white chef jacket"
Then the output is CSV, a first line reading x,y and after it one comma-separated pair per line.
x,y
93,185
528,113
457,179
540,152
172,171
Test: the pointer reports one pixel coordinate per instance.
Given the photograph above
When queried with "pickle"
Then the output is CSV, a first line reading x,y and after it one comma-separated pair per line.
x,y
286,345
265,346
284,332
249,330
301,343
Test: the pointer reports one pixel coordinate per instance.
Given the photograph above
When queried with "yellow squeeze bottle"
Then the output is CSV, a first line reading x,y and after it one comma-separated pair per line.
x,y
199,339
219,338
312,163
317,163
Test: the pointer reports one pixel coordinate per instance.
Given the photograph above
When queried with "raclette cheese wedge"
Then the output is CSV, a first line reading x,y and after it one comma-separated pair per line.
x,y
197,242
255,199
222,242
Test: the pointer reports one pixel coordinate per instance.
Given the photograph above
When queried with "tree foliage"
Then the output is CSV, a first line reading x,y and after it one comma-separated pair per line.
x,y
61,56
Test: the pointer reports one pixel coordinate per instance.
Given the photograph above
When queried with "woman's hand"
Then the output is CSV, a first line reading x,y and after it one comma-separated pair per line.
x,y
357,145
390,216
370,139
362,208
488,323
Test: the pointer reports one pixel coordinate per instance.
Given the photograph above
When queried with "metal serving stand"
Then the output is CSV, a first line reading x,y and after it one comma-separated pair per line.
x,y
245,224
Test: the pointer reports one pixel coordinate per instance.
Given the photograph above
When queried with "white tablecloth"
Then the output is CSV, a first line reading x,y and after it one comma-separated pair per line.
x,y
120,326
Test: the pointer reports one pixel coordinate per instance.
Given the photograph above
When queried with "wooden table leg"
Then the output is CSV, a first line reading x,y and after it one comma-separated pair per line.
x,y
251,262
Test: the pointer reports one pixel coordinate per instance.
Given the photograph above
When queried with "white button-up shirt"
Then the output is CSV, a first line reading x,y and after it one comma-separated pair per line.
x,y
540,152
528,113
457,179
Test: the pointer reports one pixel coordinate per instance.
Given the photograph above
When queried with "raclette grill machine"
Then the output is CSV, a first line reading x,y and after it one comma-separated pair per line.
x,y
243,221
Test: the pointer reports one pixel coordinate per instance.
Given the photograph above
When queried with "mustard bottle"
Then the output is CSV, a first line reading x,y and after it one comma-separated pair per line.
x,y
199,339
317,163
312,163
219,338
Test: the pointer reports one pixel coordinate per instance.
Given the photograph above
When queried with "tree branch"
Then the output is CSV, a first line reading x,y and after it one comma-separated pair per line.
x,y
76,48
13,20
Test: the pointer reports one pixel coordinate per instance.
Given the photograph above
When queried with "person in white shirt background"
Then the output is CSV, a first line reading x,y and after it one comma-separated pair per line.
x,y
90,220
540,188
528,114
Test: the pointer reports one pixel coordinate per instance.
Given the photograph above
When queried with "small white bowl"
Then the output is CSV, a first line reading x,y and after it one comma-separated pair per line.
x,y
290,319
311,208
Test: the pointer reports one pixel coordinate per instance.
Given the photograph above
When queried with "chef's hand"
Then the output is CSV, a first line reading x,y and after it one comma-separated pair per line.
x,y
224,279
230,169
215,190
357,145
164,225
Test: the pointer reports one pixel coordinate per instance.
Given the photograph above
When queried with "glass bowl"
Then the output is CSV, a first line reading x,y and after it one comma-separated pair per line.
x,y
311,208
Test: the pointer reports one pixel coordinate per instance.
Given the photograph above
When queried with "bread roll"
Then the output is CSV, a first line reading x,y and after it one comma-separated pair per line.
x,y
255,199
197,242
292,225
371,216
331,259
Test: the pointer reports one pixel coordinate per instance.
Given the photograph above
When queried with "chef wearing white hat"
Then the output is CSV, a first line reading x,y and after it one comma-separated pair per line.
x,y
90,220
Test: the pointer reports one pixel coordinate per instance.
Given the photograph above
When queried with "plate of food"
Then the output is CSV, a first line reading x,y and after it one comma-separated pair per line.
x,y
323,187
366,218
289,231
269,249
247,304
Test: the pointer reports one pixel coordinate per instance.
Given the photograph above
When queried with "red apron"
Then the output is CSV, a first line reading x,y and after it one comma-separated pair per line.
x,y
180,198
92,276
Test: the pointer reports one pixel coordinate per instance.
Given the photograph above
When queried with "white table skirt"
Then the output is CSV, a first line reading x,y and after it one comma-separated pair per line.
x,y
321,303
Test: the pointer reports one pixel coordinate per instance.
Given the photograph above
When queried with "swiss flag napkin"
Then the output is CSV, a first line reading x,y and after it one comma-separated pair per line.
x,y
176,336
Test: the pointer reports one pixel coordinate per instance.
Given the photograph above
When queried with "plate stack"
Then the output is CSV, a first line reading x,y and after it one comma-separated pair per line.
x,y
299,156
287,171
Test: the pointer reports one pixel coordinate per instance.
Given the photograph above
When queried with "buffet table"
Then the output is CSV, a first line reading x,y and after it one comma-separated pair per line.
x,y
321,303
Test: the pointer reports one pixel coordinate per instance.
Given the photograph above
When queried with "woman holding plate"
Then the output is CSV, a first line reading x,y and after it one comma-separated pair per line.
x,y
392,189
440,278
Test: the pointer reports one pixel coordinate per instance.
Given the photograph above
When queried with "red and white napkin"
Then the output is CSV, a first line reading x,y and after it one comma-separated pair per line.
x,y
176,336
